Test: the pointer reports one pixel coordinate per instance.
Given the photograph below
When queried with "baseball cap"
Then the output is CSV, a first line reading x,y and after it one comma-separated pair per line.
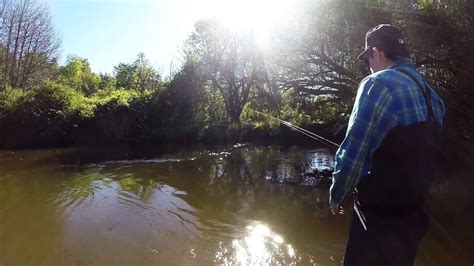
x,y
387,38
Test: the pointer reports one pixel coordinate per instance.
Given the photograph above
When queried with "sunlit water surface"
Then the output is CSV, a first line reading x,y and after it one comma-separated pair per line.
x,y
241,205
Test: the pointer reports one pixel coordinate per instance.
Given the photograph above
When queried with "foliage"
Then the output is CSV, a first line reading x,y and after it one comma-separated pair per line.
x,y
211,109
39,116
77,73
308,77
114,116
30,43
317,55
138,75
230,63
9,98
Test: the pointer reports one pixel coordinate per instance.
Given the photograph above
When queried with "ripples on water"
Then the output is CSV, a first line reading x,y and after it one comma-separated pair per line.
x,y
235,206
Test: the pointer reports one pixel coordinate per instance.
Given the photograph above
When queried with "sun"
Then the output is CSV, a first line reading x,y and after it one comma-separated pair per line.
x,y
262,17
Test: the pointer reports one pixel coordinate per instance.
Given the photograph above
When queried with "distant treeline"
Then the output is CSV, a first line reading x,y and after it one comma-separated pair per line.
x,y
307,76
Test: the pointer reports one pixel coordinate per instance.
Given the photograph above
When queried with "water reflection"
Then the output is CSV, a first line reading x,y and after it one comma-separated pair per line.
x,y
292,166
259,246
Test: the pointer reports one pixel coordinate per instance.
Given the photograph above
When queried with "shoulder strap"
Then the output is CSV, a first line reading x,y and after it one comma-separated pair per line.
x,y
424,89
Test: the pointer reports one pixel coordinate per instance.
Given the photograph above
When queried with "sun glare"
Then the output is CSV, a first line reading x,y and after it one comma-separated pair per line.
x,y
262,17
259,246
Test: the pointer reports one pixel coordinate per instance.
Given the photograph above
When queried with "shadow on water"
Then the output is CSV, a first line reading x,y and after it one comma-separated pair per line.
x,y
142,205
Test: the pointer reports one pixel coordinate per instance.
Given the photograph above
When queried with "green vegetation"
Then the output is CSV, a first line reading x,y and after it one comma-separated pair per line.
x,y
308,77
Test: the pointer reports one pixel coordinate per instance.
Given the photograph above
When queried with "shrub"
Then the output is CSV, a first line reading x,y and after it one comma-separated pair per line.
x,y
114,117
41,116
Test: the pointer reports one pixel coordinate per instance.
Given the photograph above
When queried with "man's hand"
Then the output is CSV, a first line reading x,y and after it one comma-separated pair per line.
x,y
337,210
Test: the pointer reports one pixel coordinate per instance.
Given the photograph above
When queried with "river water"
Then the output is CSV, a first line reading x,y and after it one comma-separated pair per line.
x,y
236,205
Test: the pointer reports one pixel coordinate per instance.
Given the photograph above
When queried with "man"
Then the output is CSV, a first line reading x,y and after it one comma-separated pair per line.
x,y
387,156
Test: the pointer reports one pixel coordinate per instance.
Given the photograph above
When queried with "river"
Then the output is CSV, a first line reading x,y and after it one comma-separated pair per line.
x,y
155,205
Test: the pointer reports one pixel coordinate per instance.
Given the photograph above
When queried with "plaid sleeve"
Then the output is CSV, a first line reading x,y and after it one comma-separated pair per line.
x,y
370,121
438,106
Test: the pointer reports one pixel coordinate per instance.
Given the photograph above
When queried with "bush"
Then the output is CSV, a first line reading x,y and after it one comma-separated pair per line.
x,y
41,116
114,118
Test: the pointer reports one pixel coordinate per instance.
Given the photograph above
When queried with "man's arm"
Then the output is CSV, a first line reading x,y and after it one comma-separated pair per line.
x,y
439,108
370,120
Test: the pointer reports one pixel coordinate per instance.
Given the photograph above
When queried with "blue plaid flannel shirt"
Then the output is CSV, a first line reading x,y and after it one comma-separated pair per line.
x,y
385,99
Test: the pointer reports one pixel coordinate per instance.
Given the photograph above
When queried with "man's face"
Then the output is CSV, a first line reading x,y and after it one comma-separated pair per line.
x,y
372,64
373,60
366,61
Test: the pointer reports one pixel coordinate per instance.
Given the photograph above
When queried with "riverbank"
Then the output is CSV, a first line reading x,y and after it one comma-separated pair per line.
x,y
94,132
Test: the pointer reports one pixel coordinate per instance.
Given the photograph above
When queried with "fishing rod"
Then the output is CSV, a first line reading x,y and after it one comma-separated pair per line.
x,y
320,139
301,130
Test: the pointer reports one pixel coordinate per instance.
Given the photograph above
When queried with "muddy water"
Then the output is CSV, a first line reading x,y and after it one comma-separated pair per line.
x,y
196,206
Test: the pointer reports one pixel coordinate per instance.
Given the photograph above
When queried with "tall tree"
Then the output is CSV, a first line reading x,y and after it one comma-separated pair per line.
x,y
147,76
77,73
30,42
317,55
139,75
229,61
4,5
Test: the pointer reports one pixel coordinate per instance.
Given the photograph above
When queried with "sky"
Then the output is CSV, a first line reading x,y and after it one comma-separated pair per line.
x,y
108,32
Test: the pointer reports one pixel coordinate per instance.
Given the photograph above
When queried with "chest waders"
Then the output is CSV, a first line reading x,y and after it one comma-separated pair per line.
x,y
389,222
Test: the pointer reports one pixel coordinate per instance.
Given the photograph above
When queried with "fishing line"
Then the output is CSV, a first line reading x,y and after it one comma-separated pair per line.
x,y
301,130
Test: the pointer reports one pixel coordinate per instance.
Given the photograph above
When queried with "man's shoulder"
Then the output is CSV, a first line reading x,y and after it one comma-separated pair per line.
x,y
381,78
390,78
387,75
373,86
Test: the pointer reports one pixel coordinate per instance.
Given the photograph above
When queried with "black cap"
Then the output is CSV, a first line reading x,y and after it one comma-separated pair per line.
x,y
387,38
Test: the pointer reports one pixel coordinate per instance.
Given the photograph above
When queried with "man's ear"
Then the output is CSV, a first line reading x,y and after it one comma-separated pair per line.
x,y
376,53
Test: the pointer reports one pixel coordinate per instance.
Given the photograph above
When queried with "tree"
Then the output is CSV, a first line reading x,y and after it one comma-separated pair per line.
x,y
77,73
147,77
230,63
182,96
443,49
139,75
30,42
4,5
317,57
125,74
106,81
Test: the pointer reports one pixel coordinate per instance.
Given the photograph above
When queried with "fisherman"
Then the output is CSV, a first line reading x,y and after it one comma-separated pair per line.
x,y
388,155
